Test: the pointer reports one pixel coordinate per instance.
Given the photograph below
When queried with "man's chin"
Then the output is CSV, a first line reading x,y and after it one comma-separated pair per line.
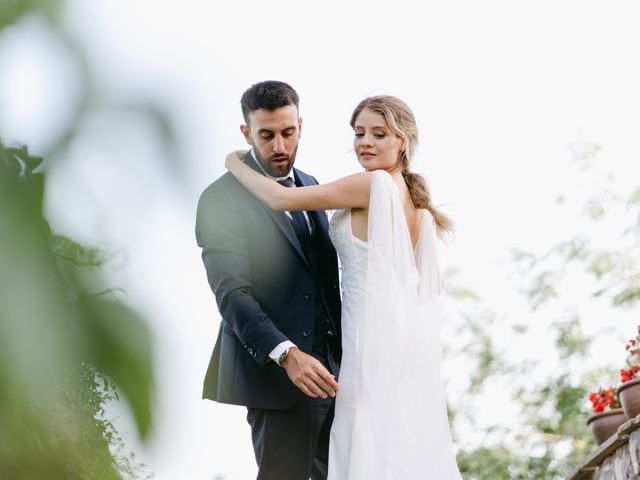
x,y
279,170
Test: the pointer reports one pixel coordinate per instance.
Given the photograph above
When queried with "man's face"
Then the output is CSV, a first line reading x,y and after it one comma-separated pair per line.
x,y
274,137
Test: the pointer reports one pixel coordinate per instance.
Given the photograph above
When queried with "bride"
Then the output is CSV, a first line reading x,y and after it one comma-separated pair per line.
x,y
390,419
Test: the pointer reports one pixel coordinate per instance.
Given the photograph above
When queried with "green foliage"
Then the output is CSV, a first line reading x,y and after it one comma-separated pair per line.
x,y
481,347
551,435
570,340
615,271
12,10
498,463
556,412
59,342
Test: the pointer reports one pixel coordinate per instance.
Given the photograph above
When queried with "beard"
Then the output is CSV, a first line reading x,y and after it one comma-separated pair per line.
x,y
276,165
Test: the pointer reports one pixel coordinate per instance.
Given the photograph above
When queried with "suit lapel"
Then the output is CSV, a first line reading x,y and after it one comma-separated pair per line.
x,y
280,218
318,217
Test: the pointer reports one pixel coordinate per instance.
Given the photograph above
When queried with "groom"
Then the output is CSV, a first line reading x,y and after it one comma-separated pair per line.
x,y
275,279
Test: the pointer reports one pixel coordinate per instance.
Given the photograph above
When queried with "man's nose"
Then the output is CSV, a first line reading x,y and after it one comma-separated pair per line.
x,y
278,144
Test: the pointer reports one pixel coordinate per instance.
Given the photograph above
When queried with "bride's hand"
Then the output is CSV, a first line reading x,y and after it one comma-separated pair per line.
x,y
234,157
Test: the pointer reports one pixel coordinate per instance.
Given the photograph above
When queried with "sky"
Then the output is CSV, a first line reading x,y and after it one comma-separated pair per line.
x,y
502,92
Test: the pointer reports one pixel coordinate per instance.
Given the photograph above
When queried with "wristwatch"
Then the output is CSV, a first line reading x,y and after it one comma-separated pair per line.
x,y
283,355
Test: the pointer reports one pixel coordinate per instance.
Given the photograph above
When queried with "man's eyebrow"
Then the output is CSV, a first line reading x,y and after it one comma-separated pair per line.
x,y
268,130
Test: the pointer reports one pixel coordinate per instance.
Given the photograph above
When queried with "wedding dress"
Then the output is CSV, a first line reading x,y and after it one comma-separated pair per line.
x,y
390,418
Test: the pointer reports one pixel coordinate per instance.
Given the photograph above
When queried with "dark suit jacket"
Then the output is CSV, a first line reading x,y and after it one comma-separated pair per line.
x,y
265,289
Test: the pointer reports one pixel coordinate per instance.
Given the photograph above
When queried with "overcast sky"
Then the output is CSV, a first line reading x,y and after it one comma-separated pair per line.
x,y
500,89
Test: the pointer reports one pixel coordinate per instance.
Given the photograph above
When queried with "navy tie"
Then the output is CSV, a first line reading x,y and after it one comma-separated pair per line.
x,y
298,221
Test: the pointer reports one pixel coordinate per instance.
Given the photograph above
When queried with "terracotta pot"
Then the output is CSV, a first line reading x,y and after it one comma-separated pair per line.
x,y
629,395
606,423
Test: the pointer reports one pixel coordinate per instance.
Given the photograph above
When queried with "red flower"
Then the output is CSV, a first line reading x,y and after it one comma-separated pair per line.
x,y
626,375
604,399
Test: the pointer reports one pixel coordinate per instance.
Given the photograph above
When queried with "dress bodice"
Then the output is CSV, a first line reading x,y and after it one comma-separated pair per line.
x,y
352,253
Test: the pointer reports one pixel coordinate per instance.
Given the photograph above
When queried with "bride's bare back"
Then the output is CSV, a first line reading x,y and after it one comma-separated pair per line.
x,y
413,215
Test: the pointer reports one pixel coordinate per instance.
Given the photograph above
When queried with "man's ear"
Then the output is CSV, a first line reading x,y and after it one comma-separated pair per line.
x,y
247,134
299,127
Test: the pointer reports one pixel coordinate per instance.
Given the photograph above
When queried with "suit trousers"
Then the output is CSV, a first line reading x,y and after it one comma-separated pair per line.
x,y
293,443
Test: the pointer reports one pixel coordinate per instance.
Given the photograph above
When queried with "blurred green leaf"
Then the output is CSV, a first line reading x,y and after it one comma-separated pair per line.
x,y
11,11
118,344
66,249
627,297
570,341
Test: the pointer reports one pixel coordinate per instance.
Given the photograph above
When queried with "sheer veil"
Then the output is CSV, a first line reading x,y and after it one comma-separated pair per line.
x,y
402,389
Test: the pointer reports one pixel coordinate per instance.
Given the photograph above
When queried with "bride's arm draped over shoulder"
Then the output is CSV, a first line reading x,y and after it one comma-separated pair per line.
x,y
348,192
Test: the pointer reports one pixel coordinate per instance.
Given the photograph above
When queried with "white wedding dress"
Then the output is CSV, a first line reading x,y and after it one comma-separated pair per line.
x,y
390,418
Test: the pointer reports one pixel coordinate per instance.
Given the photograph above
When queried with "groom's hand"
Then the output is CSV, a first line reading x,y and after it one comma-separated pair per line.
x,y
309,375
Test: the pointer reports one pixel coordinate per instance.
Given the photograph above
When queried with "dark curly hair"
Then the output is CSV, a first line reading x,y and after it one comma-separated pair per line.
x,y
269,95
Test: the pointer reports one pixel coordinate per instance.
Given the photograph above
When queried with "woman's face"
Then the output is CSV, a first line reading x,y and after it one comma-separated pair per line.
x,y
375,144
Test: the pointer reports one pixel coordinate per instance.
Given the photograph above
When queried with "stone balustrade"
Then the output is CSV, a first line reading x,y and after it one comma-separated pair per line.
x,y
618,458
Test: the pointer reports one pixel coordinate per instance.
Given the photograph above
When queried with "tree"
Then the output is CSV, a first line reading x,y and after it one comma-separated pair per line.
x,y
549,389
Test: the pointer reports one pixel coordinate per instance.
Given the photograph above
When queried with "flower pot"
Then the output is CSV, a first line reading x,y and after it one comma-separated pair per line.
x,y
629,395
605,424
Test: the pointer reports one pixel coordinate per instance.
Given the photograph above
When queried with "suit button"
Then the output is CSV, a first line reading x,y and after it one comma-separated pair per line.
x,y
306,333
330,334
327,320
307,295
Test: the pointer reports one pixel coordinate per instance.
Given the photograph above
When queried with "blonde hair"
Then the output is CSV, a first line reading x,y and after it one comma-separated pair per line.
x,y
400,120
